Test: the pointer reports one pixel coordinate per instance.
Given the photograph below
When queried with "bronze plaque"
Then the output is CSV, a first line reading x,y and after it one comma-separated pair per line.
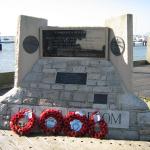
x,y
117,46
30,44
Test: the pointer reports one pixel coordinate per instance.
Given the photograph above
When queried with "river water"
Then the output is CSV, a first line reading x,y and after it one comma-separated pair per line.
x,y
7,56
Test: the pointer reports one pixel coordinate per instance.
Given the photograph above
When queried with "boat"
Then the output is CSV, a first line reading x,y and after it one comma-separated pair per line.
x,y
6,40
11,41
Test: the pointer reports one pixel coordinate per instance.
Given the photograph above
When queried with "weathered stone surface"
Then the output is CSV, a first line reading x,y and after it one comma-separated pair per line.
x,y
79,96
130,102
85,88
100,106
104,89
143,118
30,101
48,70
13,108
79,69
35,93
145,132
90,97
37,68
80,105
46,102
70,87
39,109
25,85
145,137
59,65
3,109
33,77
85,62
49,78
43,61
4,124
97,81
101,83
15,95
93,76
103,78
66,96
60,104
133,118
123,134
93,69
33,85
52,94
112,107
105,63
57,87
44,86
47,66
112,98
91,82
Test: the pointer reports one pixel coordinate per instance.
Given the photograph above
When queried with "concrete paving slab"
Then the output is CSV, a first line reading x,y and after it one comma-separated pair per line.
x,y
10,141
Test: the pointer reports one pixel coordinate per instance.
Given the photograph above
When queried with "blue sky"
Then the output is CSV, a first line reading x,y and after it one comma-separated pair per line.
x,y
74,12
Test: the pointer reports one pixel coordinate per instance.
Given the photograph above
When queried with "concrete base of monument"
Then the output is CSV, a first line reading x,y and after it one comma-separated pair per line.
x,y
129,121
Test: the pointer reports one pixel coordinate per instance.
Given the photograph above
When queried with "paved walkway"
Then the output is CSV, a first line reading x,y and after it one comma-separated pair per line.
x,y
141,80
11,141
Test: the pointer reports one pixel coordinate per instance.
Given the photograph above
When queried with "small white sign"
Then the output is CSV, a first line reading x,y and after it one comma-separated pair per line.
x,y
97,117
80,113
28,115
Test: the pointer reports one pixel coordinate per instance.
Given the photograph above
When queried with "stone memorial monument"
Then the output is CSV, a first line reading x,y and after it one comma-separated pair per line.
x,y
78,68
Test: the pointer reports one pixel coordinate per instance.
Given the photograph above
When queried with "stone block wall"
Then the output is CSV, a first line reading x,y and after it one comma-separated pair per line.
x,y
102,78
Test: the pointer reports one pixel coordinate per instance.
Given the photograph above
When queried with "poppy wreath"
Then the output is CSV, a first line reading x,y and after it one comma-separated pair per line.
x,y
74,118
51,121
23,127
103,128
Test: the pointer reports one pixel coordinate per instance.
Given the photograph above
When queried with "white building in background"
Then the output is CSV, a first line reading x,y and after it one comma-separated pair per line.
x,y
140,40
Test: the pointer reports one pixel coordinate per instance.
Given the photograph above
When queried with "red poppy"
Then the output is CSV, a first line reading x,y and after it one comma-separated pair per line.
x,y
23,122
102,125
51,121
72,119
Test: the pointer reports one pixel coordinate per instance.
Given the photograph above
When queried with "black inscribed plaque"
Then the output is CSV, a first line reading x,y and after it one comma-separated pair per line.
x,y
100,98
65,43
71,78
55,41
